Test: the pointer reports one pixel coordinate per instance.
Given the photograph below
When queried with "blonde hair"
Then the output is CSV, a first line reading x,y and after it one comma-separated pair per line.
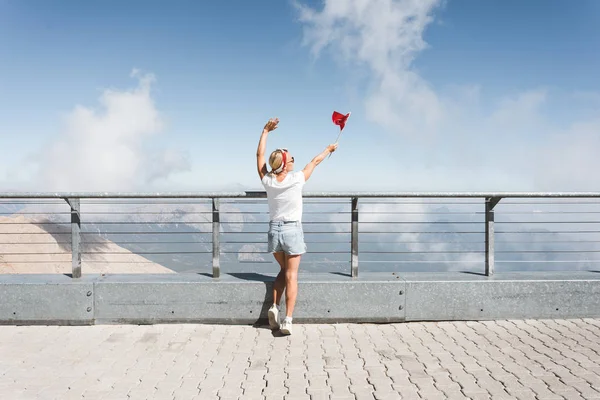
x,y
275,160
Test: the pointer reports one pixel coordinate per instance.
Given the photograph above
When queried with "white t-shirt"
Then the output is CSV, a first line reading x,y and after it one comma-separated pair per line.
x,y
285,198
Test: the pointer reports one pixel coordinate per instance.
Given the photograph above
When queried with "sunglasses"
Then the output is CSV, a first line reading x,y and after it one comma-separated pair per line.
x,y
286,150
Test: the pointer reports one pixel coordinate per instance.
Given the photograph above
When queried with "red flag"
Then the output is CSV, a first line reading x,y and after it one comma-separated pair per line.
x,y
339,119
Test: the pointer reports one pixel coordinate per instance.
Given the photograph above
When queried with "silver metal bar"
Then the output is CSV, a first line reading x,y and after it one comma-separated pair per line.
x,y
354,238
490,203
119,195
75,237
216,221
253,194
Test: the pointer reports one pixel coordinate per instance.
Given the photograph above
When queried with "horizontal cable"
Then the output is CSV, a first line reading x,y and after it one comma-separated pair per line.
x,y
37,213
321,202
243,242
267,213
100,233
424,252
419,222
116,233
307,242
150,201
419,242
243,201
305,232
557,201
35,223
33,202
320,242
304,262
545,261
265,241
425,232
553,232
120,242
305,212
65,262
145,252
427,201
35,243
104,232
144,233
422,262
303,223
264,232
245,212
546,241
242,196
421,213
37,254
143,213
268,252
118,262
547,251
145,223
547,222
545,212
35,233
317,252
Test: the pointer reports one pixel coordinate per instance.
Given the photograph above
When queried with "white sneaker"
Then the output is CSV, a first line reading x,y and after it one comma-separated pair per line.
x,y
273,317
286,327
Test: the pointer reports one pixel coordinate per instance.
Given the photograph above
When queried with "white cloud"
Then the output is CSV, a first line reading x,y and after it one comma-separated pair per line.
x,y
106,148
385,36
514,144
568,159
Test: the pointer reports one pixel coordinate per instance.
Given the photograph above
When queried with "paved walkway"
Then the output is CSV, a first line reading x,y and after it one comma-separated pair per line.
x,y
551,359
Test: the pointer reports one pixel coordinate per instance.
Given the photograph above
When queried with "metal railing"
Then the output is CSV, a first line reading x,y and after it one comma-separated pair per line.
x,y
335,222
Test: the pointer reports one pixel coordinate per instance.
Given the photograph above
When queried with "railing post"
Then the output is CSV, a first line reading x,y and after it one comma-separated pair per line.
x,y
354,238
490,203
216,263
75,237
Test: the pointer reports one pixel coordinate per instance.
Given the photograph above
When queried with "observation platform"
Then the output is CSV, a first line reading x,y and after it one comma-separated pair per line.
x,y
402,296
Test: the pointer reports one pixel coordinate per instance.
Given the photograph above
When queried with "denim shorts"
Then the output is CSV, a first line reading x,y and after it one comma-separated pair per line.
x,y
286,236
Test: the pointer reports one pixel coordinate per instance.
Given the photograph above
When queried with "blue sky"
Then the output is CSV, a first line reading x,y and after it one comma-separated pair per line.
x,y
454,95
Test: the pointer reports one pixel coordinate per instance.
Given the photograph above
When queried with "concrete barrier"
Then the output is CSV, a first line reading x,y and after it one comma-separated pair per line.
x,y
45,299
245,298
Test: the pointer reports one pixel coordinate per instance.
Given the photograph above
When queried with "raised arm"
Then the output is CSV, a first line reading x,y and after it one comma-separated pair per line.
x,y
308,170
262,146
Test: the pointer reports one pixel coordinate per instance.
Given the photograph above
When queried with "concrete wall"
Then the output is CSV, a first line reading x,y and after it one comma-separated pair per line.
x,y
245,298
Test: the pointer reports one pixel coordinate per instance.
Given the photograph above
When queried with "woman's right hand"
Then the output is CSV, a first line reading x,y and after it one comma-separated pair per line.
x,y
271,125
332,147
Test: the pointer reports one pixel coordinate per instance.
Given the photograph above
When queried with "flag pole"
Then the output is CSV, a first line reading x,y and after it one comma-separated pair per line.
x,y
338,137
336,140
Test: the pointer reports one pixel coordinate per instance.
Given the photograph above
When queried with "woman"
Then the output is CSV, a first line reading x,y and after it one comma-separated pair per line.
x,y
286,238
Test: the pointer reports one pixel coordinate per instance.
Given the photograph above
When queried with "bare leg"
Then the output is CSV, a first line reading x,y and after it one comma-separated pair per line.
x,y
291,283
279,284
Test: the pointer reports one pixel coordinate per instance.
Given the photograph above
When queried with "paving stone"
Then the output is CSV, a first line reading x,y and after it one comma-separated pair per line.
x,y
521,359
